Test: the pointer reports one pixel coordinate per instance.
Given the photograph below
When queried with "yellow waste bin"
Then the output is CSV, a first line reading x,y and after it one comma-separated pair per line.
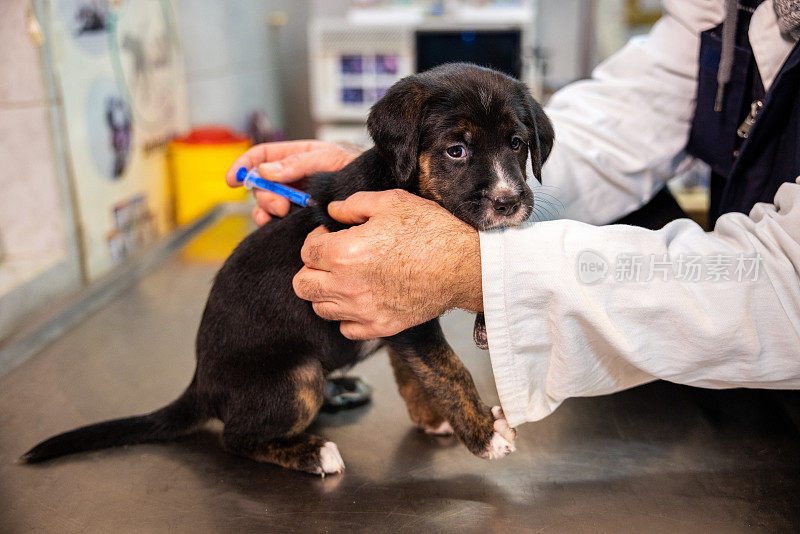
x,y
197,165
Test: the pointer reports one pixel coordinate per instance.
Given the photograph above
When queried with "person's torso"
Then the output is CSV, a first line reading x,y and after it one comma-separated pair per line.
x,y
753,144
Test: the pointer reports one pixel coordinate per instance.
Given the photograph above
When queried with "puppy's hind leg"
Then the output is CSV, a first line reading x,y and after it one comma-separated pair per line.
x,y
303,452
268,426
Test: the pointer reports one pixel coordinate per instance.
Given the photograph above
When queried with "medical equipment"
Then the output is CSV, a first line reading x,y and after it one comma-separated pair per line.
x,y
251,179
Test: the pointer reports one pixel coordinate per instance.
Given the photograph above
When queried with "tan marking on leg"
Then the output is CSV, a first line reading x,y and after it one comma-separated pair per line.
x,y
308,380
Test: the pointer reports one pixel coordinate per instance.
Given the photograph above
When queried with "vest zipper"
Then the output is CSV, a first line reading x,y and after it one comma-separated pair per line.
x,y
750,120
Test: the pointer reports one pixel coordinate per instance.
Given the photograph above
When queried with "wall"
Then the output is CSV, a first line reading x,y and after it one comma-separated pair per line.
x,y
38,256
26,151
236,62
559,23
119,78
293,62
233,69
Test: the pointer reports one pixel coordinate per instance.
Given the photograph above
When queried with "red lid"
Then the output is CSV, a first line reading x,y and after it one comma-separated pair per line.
x,y
212,135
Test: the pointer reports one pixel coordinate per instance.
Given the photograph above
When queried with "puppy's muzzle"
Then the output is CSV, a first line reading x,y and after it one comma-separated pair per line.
x,y
505,208
506,205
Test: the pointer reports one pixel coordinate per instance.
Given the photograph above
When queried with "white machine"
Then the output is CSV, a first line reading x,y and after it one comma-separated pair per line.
x,y
355,59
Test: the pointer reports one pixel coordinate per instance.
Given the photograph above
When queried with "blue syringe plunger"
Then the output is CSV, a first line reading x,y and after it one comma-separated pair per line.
x,y
251,179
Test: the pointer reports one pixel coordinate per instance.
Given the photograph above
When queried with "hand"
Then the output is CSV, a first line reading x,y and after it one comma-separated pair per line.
x,y
288,161
408,261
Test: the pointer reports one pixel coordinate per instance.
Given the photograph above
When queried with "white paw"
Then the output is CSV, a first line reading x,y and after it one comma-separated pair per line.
x,y
501,425
330,459
502,442
444,429
498,447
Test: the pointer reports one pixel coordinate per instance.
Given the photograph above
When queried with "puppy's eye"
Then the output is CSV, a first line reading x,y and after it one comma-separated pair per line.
x,y
457,151
516,142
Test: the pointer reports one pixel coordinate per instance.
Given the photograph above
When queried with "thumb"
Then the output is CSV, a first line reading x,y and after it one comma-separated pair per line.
x,y
358,208
297,166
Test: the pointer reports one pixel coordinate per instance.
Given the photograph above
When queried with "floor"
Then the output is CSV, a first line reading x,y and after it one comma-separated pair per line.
x,y
660,458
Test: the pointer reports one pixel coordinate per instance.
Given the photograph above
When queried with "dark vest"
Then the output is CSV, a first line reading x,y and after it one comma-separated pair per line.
x,y
746,167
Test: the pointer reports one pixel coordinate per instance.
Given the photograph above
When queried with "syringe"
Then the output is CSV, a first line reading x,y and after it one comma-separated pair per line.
x,y
251,179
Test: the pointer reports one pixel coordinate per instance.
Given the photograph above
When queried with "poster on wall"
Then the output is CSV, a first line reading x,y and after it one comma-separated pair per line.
x,y
119,68
108,121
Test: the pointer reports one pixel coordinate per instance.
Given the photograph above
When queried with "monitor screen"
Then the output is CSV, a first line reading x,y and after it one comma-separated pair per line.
x,y
499,50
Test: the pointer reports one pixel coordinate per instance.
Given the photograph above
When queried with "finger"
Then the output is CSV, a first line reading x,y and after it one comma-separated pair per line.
x,y
360,207
319,230
356,330
314,252
301,164
314,285
266,152
272,203
331,311
260,217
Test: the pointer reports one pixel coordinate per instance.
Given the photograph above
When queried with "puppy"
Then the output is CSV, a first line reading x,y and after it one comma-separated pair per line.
x,y
457,134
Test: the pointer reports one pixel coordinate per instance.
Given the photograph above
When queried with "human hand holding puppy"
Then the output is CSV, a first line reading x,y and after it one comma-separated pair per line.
x,y
408,261
288,162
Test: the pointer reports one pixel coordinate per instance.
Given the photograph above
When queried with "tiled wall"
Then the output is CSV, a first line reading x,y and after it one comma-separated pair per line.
x,y
37,263
31,222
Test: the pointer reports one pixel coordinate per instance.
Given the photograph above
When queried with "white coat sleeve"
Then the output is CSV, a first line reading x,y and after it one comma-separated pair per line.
x,y
559,326
620,135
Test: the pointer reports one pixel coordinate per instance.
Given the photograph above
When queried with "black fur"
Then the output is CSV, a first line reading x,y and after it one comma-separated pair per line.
x,y
262,353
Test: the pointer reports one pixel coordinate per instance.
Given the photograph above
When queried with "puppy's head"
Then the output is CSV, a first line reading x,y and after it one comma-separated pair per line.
x,y
460,135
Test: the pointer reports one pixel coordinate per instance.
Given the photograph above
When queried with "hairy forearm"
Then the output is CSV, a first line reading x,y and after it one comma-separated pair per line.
x,y
465,273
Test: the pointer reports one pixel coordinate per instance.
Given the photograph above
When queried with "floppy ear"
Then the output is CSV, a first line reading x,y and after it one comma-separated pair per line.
x,y
394,124
542,134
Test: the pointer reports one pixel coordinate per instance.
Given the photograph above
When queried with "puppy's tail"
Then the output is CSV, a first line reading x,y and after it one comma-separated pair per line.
x,y
170,422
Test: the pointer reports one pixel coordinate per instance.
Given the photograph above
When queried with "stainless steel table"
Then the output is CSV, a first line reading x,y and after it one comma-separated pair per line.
x,y
659,458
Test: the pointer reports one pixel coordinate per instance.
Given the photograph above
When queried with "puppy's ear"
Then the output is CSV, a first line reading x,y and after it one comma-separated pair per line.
x,y
394,124
541,133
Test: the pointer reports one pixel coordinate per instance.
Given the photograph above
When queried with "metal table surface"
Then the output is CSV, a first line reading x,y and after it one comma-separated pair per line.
x,y
660,458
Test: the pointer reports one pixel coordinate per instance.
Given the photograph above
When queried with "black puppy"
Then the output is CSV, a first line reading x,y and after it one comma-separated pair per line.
x,y
457,134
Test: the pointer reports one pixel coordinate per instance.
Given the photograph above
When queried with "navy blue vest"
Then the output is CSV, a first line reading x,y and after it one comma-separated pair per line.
x,y
745,170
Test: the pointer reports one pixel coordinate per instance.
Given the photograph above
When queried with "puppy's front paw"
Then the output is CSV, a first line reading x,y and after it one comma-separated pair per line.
x,y
330,461
502,441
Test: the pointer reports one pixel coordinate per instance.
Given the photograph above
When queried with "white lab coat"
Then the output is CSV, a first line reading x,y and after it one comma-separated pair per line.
x,y
556,332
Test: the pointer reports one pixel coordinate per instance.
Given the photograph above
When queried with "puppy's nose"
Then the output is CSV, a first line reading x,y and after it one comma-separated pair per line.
x,y
506,205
